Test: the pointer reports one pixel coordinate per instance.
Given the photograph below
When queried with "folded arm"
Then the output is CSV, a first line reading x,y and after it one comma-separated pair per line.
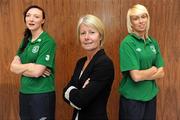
x,y
148,74
29,69
158,74
98,83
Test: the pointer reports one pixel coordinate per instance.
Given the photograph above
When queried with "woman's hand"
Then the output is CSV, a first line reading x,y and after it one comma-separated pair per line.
x,y
46,73
154,69
16,66
16,60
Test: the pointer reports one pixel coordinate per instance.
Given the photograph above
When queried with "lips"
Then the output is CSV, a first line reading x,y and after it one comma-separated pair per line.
x,y
141,26
31,24
88,43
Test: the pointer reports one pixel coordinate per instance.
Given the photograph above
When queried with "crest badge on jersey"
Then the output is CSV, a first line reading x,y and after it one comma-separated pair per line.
x,y
153,49
35,49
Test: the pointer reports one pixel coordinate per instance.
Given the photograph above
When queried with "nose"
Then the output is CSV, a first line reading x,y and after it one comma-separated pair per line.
x,y
30,18
140,19
86,36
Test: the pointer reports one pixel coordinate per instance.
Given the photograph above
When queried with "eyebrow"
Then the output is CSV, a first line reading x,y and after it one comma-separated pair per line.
x,y
33,14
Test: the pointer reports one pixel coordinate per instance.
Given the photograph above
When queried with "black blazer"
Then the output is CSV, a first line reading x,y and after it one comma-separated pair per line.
x,y
93,98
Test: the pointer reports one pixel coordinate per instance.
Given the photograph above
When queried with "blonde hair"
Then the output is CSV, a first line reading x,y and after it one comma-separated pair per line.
x,y
92,21
135,10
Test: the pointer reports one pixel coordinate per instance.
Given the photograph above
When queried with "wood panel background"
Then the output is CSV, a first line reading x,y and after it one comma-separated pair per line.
x,y
62,17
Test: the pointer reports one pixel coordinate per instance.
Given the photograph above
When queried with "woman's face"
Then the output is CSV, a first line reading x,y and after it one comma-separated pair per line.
x,y
34,19
139,22
89,38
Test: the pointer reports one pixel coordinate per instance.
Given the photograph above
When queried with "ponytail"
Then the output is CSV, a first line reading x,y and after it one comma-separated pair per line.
x,y
27,35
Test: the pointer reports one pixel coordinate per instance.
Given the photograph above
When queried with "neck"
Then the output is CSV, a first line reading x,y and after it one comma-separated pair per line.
x,y
140,34
36,34
90,54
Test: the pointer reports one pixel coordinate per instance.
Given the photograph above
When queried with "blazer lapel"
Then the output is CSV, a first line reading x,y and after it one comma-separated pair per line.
x,y
88,70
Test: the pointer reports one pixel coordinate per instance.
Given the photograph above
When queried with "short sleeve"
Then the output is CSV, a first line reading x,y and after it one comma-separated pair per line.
x,y
47,54
128,57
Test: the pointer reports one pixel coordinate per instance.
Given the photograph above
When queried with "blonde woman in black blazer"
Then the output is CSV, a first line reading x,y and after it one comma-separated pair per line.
x,y
89,88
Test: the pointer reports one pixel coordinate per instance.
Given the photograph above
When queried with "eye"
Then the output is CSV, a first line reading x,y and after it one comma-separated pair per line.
x,y
144,16
27,15
36,16
82,33
92,32
134,18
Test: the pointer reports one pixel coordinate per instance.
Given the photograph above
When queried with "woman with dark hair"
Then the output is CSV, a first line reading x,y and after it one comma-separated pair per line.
x,y
35,62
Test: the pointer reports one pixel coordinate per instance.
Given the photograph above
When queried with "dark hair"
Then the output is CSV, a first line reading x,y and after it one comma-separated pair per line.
x,y
27,32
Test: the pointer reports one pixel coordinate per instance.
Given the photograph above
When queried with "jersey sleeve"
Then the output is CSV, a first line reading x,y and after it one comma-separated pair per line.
x,y
128,57
47,54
